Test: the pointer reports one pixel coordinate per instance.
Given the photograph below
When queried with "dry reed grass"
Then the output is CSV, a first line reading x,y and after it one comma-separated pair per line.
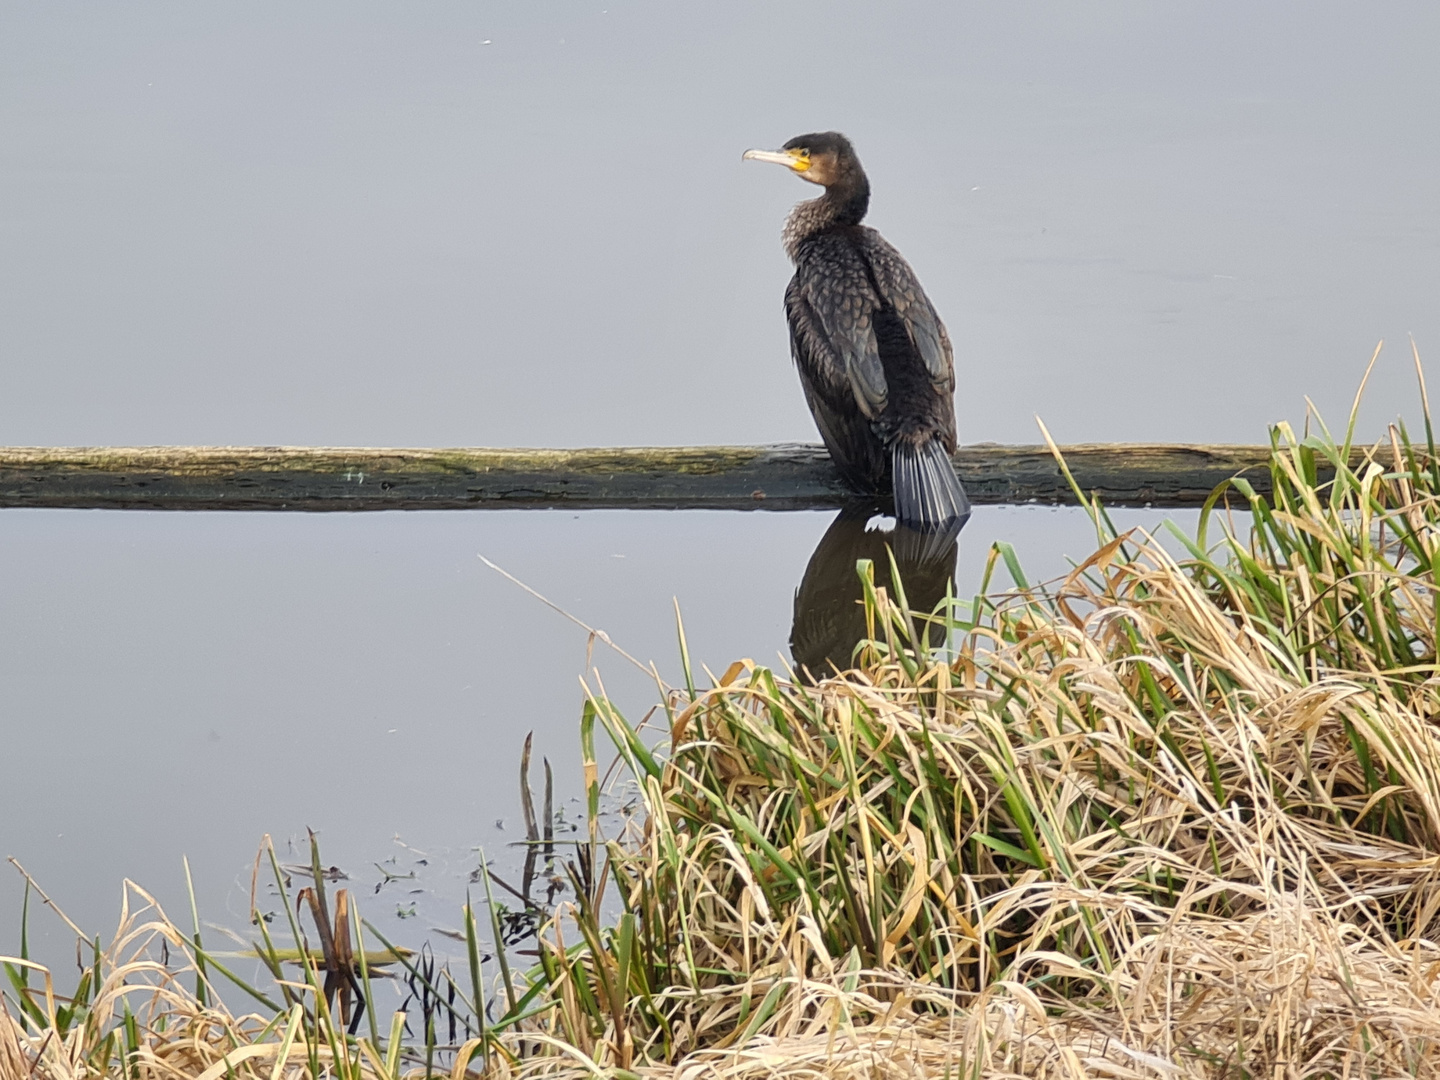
x,y
1160,819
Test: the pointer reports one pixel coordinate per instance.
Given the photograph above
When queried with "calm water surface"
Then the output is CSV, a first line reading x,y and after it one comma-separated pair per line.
x,y
181,684
528,224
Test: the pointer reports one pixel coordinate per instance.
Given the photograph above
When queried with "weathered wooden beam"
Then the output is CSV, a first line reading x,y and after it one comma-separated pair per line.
x,y
786,476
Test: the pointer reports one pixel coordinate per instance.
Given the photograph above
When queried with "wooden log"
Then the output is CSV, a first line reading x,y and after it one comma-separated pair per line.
x,y
787,476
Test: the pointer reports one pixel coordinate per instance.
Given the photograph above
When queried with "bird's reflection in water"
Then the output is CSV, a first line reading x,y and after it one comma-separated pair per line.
x,y
829,613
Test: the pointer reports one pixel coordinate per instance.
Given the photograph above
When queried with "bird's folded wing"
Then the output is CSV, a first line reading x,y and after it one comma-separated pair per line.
x,y
900,288
832,303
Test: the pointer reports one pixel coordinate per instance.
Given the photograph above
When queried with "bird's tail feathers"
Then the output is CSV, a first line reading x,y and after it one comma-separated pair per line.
x,y
928,494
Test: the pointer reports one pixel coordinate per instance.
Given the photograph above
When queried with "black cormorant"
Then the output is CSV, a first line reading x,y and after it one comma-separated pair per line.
x,y
873,355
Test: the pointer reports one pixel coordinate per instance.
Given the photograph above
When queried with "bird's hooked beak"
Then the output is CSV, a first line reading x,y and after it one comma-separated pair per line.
x,y
796,160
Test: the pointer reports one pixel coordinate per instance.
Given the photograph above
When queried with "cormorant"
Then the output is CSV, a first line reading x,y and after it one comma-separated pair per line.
x,y
873,355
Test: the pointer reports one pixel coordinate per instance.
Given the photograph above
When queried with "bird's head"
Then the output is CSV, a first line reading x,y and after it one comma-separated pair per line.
x,y
825,157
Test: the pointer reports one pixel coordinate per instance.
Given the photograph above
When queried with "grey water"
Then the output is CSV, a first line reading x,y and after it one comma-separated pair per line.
x,y
179,685
528,224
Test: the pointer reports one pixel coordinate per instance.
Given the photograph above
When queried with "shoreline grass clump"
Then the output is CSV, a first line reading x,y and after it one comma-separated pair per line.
x,y
1119,808
1165,817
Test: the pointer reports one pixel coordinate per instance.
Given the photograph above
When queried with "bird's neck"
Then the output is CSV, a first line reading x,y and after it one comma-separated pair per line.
x,y
842,204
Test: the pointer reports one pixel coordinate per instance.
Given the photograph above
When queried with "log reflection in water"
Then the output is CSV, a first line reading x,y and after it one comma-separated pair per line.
x,y
829,614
